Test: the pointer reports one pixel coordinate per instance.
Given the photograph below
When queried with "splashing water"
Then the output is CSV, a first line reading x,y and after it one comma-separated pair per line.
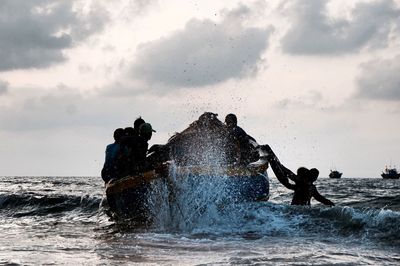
x,y
56,220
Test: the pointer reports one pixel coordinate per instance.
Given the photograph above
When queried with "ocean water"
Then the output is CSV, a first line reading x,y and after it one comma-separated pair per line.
x,y
59,220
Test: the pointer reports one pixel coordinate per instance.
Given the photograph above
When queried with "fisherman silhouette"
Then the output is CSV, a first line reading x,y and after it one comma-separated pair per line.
x,y
304,189
111,168
242,145
134,203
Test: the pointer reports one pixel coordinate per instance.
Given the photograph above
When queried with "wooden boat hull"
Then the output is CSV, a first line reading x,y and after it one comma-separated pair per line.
x,y
390,176
128,197
390,173
205,160
335,175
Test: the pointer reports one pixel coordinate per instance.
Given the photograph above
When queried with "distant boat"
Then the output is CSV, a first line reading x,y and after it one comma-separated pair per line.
x,y
390,173
335,174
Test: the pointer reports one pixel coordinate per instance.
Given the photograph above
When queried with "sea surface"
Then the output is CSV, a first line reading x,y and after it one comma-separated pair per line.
x,y
59,220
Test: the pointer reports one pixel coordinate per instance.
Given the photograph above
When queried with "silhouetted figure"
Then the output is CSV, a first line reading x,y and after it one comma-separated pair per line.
x,y
112,167
129,131
136,125
303,186
131,134
132,162
243,149
134,131
135,149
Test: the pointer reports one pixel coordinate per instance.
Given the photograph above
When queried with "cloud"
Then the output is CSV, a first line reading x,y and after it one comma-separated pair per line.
x,y
310,100
62,107
34,34
3,87
380,80
314,31
27,109
140,7
205,52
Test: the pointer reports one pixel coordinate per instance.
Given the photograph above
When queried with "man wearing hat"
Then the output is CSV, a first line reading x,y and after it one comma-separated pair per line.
x,y
146,131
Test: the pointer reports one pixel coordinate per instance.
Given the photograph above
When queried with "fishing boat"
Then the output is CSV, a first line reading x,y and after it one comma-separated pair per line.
x,y
335,174
200,152
390,173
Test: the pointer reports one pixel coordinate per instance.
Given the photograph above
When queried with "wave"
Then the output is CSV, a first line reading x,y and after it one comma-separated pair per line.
x,y
374,224
205,215
207,209
204,211
365,224
387,202
30,204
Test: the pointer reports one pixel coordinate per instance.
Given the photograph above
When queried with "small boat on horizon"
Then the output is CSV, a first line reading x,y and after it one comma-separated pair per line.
x,y
335,174
390,173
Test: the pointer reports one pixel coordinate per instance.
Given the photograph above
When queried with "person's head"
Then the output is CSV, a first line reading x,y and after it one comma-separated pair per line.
x,y
313,174
146,131
118,134
231,120
303,173
129,131
138,122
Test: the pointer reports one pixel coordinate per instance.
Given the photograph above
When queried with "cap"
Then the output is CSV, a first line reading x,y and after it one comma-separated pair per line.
x,y
146,128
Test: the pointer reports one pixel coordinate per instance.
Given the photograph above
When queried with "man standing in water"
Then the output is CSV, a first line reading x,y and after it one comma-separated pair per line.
x,y
303,186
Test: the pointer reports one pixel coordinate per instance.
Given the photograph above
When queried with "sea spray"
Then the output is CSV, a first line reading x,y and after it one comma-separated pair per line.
x,y
354,232
205,207
190,200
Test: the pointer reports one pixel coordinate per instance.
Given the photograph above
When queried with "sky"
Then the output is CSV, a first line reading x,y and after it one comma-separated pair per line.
x,y
319,81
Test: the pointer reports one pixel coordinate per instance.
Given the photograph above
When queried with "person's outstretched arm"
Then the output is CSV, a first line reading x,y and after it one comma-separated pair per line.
x,y
321,198
271,156
280,172
289,173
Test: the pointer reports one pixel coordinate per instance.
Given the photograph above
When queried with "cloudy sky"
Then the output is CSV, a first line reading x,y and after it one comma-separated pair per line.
x,y
317,80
